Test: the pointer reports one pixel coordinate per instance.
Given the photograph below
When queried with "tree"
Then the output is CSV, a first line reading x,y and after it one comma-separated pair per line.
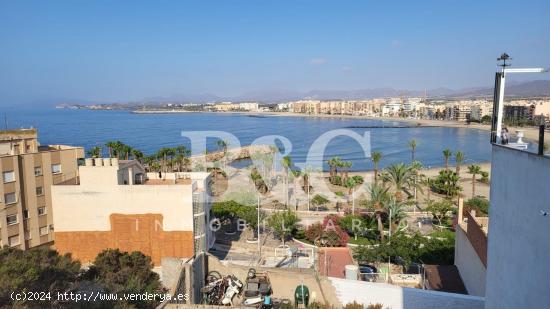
x,y
283,223
474,170
396,211
447,153
447,182
440,209
137,155
401,177
34,270
486,119
412,145
378,196
376,156
459,158
319,200
123,272
111,146
334,164
94,152
286,163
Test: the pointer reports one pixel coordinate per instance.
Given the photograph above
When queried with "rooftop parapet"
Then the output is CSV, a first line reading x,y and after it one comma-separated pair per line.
x,y
14,134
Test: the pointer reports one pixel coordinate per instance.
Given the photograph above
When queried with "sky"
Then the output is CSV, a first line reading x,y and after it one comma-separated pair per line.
x,y
119,51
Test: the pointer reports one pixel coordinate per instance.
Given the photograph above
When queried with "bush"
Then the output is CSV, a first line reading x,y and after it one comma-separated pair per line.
x,y
447,182
479,204
36,270
407,249
484,177
328,233
123,272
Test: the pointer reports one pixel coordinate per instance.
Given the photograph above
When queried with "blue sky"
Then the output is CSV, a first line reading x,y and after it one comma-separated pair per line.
x,y
129,50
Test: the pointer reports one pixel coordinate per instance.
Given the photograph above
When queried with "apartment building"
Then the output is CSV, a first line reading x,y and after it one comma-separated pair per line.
x,y
458,111
116,204
28,172
478,111
527,110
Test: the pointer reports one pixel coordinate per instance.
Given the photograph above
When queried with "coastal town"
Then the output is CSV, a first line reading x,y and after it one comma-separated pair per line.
x,y
274,154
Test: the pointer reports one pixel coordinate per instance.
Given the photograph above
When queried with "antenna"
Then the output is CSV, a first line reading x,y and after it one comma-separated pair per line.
x,y
6,121
503,57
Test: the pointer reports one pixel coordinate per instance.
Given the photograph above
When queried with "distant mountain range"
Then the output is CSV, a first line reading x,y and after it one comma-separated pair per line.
x,y
535,88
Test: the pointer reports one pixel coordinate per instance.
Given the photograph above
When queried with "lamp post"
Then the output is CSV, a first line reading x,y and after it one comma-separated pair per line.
x,y
258,224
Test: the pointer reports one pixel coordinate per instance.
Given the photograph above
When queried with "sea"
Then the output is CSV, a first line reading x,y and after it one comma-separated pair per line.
x,y
150,132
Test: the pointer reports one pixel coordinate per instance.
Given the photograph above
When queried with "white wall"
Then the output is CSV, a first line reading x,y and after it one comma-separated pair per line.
x,y
518,274
395,297
78,208
472,271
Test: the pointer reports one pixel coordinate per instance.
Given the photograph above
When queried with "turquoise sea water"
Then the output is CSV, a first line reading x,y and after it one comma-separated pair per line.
x,y
149,132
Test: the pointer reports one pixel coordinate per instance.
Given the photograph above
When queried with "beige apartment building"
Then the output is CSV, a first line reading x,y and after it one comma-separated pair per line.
x,y
117,204
28,172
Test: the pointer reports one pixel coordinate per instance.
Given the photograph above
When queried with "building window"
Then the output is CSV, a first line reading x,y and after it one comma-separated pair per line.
x,y
56,168
8,176
25,214
41,211
10,198
27,235
38,171
44,230
39,191
12,219
13,240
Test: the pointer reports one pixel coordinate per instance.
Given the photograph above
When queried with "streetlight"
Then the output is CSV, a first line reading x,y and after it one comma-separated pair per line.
x,y
258,224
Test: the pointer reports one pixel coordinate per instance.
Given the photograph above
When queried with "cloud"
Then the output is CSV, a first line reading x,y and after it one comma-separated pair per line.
x,y
347,69
317,61
395,43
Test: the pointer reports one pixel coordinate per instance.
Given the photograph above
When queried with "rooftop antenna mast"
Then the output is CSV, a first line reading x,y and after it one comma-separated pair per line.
x,y
498,98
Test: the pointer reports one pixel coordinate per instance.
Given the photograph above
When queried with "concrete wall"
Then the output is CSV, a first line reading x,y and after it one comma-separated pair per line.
x,y
79,208
395,297
519,237
472,271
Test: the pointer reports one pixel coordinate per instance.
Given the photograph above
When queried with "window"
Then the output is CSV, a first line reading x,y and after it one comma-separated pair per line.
x,y
10,198
8,176
41,211
39,190
13,240
25,214
12,219
44,230
56,168
38,171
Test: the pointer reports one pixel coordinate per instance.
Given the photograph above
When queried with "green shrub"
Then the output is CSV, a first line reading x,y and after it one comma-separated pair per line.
x,y
479,204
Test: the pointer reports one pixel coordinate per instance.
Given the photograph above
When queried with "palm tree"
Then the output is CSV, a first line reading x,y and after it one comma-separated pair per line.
x,y
401,177
474,170
459,158
412,144
111,146
378,196
94,152
395,210
447,153
345,165
286,163
125,151
376,156
334,164
137,155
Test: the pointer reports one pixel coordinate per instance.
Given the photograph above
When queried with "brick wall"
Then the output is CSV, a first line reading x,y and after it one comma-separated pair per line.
x,y
140,232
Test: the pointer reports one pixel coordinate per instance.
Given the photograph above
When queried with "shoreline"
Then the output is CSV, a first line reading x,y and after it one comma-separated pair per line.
x,y
530,134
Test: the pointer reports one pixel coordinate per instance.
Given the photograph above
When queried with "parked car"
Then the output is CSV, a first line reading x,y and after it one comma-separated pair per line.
x,y
368,272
